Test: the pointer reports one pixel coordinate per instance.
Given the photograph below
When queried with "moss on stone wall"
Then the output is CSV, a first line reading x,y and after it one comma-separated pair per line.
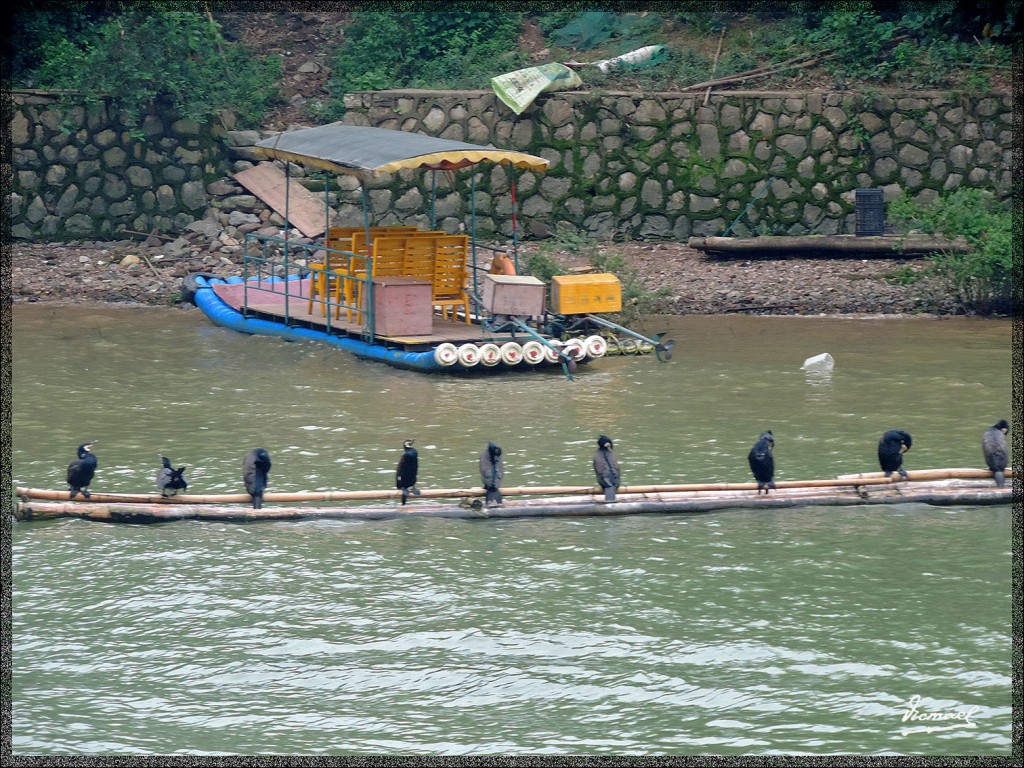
x,y
636,165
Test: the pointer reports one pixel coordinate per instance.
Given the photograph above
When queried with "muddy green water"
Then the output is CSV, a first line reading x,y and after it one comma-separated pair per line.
x,y
780,632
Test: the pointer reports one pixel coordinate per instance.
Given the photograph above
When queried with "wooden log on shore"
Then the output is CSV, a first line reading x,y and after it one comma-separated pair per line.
x,y
869,478
886,246
966,494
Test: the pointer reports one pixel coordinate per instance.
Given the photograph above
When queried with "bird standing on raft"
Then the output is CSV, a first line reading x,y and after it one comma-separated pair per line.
x,y
993,445
255,467
170,480
762,461
606,467
82,469
405,474
492,472
891,448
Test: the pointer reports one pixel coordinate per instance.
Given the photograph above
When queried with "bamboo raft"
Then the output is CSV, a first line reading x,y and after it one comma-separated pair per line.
x,y
883,246
937,487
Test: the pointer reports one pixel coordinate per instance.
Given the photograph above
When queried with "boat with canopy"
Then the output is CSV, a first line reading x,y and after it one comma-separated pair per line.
x,y
405,296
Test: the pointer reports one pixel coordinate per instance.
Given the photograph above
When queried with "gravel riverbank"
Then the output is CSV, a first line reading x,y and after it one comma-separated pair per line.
x,y
146,273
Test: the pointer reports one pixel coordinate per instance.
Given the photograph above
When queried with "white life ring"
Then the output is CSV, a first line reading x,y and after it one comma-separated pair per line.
x,y
551,350
511,353
596,346
469,355
533,352
446,354
490,354
574,349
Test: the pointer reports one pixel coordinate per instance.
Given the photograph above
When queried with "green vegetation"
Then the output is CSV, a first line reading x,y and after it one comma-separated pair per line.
x,y
424,49
919,48
545,263
981,279
175,52
859,44
140,58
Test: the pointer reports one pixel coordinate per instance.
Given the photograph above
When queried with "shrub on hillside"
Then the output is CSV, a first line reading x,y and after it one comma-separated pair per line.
x,y
424,49
981,280
140,57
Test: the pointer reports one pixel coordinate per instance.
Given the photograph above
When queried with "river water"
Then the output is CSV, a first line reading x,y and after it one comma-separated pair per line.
x,y
802,631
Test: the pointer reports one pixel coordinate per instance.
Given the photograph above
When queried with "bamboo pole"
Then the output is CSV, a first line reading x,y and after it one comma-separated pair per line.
x,y
952,473
868,478
714,65
889,245
975,495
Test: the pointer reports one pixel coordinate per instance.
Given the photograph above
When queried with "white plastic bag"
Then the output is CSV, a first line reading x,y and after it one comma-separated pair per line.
x,y
641,57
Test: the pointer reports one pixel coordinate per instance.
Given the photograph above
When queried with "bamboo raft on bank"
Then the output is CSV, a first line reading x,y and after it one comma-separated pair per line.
x,y
836,245
940,487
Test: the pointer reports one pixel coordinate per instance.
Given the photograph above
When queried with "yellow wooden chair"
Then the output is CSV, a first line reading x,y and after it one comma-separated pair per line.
x,y
451,275
388,252
325,281
348,272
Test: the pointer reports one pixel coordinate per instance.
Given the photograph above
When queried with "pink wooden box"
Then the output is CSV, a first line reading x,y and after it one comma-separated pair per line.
x,y
402,306
521,295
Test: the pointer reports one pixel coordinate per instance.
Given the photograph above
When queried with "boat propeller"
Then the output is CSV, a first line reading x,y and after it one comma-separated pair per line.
x,y
663,350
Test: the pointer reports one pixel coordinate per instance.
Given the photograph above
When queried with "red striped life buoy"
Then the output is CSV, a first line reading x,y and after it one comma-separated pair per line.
x,y
574,349
533,352
595,346
469,355
490,354
551,350
446,354
512,353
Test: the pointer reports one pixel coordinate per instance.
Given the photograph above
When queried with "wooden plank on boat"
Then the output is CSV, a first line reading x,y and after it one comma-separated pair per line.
x,y
305,211
270,296
838,245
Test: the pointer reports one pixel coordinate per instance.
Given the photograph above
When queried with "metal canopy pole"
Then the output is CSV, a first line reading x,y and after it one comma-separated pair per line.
x,y
327,210
472,229
368,289
287,209
287,189
433,198
515,223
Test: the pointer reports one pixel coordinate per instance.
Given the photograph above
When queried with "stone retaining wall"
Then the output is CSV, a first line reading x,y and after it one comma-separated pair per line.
x,y
660,165
86,175
670,165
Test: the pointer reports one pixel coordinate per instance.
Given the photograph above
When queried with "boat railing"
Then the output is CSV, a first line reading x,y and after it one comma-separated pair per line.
x,y
286,267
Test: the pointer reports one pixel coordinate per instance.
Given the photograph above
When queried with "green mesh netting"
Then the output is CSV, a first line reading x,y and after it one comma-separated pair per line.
x,y
592,28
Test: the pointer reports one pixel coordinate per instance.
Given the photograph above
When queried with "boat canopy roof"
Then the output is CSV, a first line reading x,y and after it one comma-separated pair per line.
x,y
366,152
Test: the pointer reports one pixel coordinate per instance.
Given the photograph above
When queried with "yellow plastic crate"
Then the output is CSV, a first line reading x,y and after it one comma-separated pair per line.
x,y
585,294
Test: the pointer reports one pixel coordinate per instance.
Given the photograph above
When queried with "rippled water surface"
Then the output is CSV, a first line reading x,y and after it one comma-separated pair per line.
x,y
739,632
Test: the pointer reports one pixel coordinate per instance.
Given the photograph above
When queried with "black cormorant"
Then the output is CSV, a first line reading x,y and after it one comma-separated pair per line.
x,y
762,461
170,480
993,445
81,470
255,467
606,467
891,448
405,475
492,471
